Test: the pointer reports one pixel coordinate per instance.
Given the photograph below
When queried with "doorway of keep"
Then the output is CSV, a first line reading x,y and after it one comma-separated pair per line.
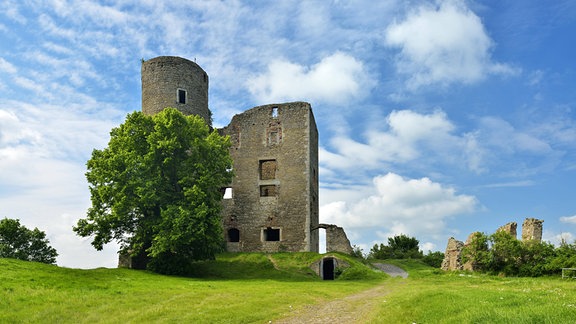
x,y
328,266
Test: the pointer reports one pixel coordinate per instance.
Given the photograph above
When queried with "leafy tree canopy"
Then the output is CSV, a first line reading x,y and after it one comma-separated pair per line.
x,y
156,189
19,242
399,247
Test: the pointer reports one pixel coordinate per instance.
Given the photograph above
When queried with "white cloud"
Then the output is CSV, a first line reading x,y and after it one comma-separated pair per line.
x,y
443,44
336,79
417,207
408,136
568,219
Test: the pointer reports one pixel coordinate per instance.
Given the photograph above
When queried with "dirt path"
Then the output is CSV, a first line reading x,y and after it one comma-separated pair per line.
x,y
354,308
350,309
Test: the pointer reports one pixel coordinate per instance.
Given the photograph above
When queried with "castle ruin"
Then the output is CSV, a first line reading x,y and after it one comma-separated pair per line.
x,y
272,203
531,231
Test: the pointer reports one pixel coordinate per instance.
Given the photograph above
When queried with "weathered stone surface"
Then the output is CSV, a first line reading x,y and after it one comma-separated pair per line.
x,y
452,259
509,228
164,76
336,239
275,153
273,200
532,229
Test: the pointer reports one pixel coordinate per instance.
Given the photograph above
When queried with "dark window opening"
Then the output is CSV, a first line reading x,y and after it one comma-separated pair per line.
x,y
274,112
181,96
268,191
267,169
233,235
272,234
328,269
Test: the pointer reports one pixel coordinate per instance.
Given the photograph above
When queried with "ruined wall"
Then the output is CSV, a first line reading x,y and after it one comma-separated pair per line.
x,y
509,228
532,229
452,259
170,81
336,239
273,198
274,202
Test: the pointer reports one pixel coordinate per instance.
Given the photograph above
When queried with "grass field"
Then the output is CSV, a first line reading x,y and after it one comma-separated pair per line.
x,y
257,288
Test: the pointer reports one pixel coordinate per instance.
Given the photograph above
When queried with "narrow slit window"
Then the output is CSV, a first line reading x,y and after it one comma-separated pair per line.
x,y
181,96
274,112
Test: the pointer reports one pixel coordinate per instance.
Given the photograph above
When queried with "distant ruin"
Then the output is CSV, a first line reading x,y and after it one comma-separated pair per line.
x,y
531,231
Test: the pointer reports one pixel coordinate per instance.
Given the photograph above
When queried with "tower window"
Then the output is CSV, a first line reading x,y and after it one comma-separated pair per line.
x,y
181,96
271,234
274,112
267,169
233,235
268,191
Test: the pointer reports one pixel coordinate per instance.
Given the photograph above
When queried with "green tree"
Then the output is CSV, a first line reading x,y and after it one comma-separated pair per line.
x,y
399,247
19,242
433,259
156,189
477,252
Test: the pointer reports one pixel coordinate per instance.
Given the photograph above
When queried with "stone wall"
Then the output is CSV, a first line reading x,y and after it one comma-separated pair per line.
x,y
170,81
532,229
336,239
274,203
509,228
452,259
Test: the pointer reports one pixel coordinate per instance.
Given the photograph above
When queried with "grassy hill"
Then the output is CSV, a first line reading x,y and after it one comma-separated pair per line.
x,y
257,288
235,288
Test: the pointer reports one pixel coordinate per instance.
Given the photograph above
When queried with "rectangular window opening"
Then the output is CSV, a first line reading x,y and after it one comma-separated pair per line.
x,y
267,169
268,191
274,112
271,234
181,96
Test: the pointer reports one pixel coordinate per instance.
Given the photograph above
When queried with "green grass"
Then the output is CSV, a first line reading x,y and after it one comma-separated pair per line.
x,y
432,296
256,288
236,288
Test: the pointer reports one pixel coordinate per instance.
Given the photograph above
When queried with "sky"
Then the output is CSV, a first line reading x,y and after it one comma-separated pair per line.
x,y
436,118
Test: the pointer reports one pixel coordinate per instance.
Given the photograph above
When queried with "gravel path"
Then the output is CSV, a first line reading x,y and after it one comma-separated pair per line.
x,y
354,308
391,270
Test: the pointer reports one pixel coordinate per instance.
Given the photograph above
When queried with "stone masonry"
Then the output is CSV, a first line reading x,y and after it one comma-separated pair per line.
x,y
532,229
272,203
452,259
336,239
273,200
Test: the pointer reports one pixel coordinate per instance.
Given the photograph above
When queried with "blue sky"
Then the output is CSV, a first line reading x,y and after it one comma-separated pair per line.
x,y
436,118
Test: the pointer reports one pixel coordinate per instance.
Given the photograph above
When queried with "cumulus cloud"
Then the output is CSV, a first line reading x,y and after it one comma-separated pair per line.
x,y
336,79
443,44
407,136
398,205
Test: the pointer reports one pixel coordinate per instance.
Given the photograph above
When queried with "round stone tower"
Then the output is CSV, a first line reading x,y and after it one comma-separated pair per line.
x,y
170,81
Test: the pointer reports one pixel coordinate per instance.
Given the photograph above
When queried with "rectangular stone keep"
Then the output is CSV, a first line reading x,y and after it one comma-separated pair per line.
x,y
275,154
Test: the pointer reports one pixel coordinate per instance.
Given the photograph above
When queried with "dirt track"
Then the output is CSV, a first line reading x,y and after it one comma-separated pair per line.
x,y
350,309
